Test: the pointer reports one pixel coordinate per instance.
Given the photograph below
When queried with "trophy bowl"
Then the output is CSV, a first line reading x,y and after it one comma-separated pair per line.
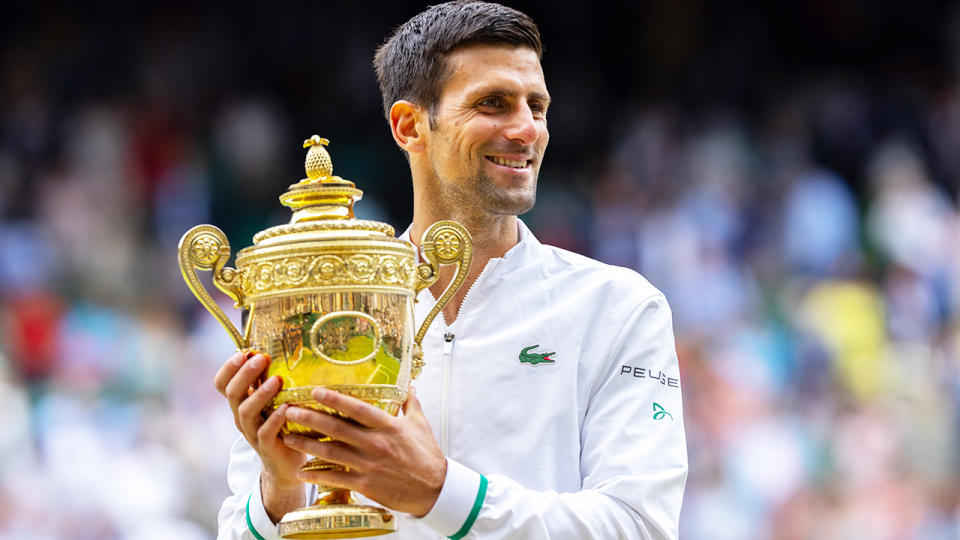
x,y
330,299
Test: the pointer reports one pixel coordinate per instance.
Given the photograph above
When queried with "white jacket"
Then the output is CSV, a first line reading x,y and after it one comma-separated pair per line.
x,y
585,442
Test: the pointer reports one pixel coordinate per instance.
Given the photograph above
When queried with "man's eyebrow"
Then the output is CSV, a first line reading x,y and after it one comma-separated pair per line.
x,y
511,93
540,96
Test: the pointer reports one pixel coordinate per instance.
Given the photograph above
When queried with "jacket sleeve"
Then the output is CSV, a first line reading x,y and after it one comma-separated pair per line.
x,y
242,515
633,460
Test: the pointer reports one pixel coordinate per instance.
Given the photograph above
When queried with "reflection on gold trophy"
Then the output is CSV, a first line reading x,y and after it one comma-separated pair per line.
x,y
330,298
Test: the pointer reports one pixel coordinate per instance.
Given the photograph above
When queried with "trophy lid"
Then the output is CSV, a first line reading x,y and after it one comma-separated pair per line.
x,y
322,204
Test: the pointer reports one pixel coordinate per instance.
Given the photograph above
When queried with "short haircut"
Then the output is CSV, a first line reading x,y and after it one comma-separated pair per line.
x,y
412,64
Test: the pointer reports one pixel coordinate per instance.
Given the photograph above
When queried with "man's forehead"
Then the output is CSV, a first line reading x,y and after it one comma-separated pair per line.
x,y
496,69
493,52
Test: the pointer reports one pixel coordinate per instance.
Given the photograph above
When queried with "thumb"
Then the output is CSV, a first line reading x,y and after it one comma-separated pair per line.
x,y
411,407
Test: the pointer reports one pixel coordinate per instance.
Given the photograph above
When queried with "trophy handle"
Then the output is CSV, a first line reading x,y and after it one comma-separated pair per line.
x,y
445,242
205,247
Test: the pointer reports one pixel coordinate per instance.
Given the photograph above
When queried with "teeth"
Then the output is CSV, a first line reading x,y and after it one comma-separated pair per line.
x,y
509,162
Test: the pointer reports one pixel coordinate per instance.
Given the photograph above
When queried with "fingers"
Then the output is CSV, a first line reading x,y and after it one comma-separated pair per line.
x,y
331,451
248,412
337,479
228,370
412,407
237,389
331,426
358,411
271,427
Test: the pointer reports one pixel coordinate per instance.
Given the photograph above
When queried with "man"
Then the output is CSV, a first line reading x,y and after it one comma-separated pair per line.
x,y
550,400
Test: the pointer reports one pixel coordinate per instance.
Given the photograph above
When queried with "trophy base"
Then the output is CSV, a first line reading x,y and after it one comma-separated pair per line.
x,y
337,521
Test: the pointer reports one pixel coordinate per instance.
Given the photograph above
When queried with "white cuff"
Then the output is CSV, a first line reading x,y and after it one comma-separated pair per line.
x,y
459,502
259,524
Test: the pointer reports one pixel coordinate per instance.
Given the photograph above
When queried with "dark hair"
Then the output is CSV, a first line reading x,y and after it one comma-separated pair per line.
x,y
412,63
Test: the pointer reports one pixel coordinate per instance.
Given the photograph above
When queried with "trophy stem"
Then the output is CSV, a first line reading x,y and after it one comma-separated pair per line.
x,y
329,495
335,513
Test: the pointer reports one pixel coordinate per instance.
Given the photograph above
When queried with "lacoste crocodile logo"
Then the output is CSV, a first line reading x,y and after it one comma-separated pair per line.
x,y
534,358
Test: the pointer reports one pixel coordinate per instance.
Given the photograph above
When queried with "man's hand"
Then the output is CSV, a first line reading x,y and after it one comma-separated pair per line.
x,y
280,488
393,460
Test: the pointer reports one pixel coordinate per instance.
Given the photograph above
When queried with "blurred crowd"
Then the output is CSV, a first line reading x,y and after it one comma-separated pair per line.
x,y
809,247
818,332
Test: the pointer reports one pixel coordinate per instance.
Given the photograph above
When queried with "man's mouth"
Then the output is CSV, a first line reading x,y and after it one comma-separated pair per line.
x,y
515,164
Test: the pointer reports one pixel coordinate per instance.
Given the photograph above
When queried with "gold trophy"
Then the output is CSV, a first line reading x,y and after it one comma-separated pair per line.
x,y
330,298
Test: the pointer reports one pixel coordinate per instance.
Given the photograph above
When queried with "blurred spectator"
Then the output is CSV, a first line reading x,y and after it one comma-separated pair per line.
x,y
821,229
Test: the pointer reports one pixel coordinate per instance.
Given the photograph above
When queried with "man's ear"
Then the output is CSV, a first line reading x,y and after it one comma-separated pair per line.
x,y
407,122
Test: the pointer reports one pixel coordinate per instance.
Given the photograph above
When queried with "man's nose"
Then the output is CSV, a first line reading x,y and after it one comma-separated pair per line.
x,y
523,126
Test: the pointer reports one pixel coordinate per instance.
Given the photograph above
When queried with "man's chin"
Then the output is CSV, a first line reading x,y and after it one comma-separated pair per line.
x,y
514,206
508,200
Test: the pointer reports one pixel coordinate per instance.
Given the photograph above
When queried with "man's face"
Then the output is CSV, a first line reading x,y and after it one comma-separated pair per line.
x,y
489,131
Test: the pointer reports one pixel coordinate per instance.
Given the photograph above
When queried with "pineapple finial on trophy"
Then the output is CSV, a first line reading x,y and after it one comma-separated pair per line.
x,y
318,164
321,195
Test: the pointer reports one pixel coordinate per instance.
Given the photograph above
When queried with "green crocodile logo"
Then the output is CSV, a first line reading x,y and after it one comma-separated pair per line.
x,y
527,357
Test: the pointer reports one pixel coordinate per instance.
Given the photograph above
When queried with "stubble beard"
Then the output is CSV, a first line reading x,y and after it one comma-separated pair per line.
x,y
510,202
483,196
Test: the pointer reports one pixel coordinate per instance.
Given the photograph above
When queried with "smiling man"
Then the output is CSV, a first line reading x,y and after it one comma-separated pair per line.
x,y
528,421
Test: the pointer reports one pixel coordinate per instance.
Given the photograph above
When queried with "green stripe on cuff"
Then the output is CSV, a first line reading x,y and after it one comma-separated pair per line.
x,y
250,523
481,494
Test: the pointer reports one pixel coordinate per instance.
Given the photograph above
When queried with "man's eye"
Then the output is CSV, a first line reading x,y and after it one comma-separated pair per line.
x,y
538,108
491,103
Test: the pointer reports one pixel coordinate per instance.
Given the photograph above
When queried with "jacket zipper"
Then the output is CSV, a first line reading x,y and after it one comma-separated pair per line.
x,y
445,393
447,367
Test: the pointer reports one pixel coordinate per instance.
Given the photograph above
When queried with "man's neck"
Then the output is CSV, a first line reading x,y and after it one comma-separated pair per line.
x,y
492,237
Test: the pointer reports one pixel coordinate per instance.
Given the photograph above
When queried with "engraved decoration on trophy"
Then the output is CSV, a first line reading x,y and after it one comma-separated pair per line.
x,y
330,299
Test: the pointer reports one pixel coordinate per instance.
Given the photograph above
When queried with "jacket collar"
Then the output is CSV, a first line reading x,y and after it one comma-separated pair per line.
x,y
522,252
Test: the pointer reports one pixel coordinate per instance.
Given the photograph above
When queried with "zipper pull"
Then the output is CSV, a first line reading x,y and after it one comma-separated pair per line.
x,y
448,342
